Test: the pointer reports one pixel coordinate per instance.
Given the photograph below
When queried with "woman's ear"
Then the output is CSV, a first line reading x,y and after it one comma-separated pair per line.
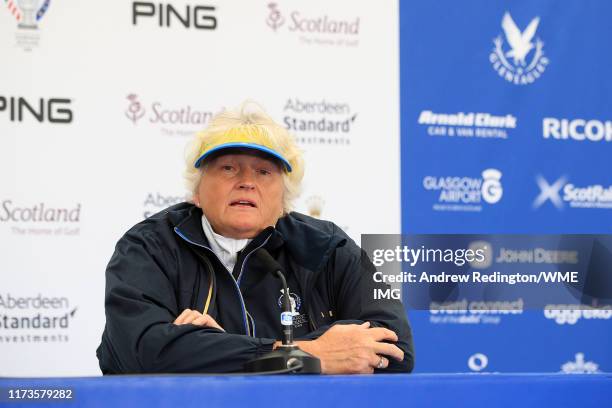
x,y
196,200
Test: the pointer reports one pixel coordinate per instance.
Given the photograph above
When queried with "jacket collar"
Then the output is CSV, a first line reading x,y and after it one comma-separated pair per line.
x,y
311,241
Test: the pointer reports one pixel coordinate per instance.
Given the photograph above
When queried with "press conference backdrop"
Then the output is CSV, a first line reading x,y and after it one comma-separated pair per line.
x,y
98,100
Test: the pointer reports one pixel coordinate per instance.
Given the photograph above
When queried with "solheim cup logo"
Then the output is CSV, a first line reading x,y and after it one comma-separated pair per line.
x,y
275,18
511,60
27,12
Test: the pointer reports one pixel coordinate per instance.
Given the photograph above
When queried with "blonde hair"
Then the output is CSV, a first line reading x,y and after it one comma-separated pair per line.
x,y
251,116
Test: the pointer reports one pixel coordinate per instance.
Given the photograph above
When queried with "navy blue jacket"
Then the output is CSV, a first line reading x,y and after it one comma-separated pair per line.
x,y
164,265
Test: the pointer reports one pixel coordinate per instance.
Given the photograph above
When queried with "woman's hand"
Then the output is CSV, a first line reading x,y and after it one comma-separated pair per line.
x,y
196,318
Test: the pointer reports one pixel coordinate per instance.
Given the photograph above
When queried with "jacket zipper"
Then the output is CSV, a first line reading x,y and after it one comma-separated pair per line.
x,y
240,276
244,311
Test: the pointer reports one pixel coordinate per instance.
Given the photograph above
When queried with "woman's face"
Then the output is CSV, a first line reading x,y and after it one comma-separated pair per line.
x,y
241,194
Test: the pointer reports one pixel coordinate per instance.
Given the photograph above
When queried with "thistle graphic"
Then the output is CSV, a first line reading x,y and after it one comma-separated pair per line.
x,y
135,111
275,18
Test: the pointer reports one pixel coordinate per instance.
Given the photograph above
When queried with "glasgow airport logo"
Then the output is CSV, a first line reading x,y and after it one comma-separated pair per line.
x,y
28,14
518,60
465,193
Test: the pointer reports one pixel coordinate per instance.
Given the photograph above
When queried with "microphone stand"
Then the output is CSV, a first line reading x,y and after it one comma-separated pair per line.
x,y
287,358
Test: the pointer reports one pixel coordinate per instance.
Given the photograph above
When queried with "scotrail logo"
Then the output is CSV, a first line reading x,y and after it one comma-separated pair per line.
x,y
562,192
514,64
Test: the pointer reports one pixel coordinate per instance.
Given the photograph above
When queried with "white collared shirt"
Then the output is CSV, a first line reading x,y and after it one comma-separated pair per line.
x,y
225,248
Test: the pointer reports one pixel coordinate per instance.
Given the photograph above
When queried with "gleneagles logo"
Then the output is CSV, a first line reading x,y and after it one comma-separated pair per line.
x,y
518,60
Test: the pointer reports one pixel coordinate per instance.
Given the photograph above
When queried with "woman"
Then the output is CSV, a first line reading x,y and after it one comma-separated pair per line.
x,y
184,292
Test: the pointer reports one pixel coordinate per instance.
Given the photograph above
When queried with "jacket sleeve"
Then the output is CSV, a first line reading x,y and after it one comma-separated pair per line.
x,y
140,306
349,273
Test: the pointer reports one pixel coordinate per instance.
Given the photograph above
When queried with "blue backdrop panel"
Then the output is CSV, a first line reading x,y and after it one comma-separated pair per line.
x,y
506,110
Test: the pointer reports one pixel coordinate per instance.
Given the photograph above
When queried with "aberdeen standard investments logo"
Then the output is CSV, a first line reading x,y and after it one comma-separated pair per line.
x,y
35,319
320,122
520,59
465,193
28,14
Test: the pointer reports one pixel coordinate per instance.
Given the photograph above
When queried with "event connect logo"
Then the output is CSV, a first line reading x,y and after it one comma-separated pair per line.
x,y
28,14
510,59
311,29
562,192
465,193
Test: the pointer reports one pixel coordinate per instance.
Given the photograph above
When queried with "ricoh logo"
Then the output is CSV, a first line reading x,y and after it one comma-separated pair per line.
x,y
20,109
465,193
35,319
314,29
198,17
510,59
40,219
577,129
182,120
467,125
571,314
563,192
319,121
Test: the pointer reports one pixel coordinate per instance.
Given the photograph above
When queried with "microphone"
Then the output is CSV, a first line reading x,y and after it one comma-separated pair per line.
x,y
271,264
287,358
